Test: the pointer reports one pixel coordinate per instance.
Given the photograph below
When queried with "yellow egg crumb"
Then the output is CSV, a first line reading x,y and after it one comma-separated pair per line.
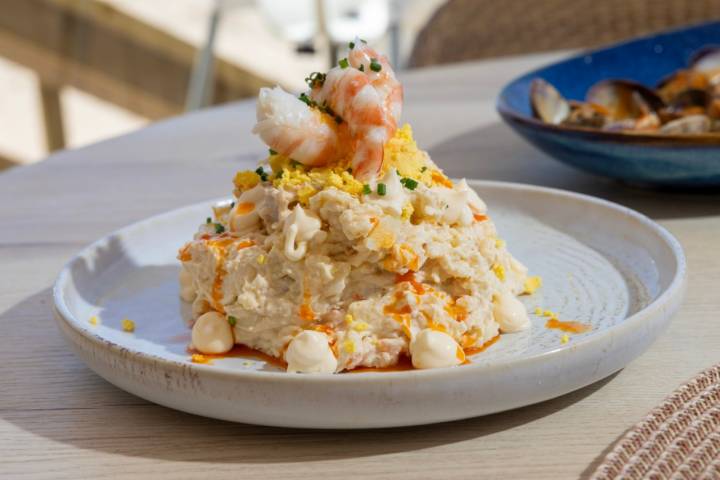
x,y
305,193
348,319
402,153
538,311
349,346
407,211
565,338
261,259
127,325
549,313
499,243
199,358
381,238
532,284
94,320
499,271
360,326
245,180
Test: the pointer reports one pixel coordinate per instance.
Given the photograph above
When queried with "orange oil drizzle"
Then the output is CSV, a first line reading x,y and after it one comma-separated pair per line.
x,y
481,348
410,277
456,311
441,179
570,327
306,312
184,254
220,244
237,351
404,364
480,218
244,208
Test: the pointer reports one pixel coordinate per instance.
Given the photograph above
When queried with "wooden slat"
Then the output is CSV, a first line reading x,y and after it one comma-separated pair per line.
x,y
52,117
96,48
6,163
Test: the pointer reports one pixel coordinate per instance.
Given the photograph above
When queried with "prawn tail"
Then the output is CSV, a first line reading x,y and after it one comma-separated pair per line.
x,y
367,161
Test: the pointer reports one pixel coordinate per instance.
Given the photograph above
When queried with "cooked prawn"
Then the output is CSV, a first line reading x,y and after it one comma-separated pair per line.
x,y
350,94
363,57
295,130
354,109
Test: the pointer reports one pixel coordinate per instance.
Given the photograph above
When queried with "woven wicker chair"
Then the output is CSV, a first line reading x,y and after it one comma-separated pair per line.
x,y
462,30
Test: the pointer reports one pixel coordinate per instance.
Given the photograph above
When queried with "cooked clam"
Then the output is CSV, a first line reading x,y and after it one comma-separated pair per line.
x,y
586,115
624,99
691,124
707,61
680,82
685,102
547,103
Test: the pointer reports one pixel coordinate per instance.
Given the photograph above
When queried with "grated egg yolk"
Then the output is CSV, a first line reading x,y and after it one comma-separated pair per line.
x,y
360,326
499,271
127,325
349,346
246,180
532,284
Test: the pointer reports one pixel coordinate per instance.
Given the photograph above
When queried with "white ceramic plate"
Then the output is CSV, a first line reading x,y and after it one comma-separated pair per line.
x,y
601,264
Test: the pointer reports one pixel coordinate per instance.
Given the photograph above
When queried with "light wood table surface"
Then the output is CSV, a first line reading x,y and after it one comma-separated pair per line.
x,y
59,420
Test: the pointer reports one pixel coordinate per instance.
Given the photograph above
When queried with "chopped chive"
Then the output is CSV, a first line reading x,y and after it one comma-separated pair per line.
x,y
295,163
344,63
381,189
422,170
259,170
315,79
375,65
219,228
208,220
232,204
349,170
363,41
232,320
409,183
366,189
272,152
362,67
305,99
351,45
263,177
279,174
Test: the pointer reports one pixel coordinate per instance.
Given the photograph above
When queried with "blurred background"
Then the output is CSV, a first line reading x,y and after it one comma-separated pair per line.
x,y
73,72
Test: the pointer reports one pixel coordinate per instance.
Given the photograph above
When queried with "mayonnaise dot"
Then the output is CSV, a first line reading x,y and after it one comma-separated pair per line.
x,y
212,334
434,349
510,313
309,352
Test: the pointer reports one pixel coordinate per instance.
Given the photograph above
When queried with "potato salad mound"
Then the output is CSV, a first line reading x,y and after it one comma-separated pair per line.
x,y
348,247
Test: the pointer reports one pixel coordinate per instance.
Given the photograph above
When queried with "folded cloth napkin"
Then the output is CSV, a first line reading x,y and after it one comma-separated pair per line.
x,y
679,439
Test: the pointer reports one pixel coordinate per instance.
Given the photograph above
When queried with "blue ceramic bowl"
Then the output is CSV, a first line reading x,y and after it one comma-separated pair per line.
x,y
643,159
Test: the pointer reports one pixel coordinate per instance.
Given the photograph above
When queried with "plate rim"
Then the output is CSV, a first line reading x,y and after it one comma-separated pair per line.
x,y
674,289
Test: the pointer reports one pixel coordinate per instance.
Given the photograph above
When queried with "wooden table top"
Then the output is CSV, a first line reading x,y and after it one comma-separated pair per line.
x,y
59,420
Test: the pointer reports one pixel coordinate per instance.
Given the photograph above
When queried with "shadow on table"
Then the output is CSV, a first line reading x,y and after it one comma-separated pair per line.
x,y
494,152
59,398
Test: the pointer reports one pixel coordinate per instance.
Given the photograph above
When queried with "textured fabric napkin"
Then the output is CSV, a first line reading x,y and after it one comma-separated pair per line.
x,y
679,439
